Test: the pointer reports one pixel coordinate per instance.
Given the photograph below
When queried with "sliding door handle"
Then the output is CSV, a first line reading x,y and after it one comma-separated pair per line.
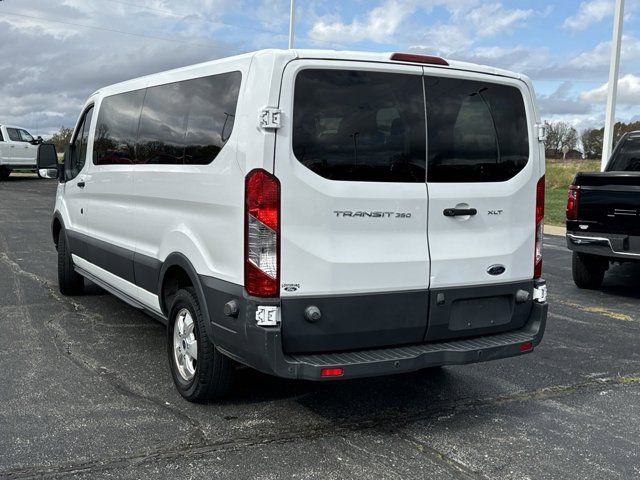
x,y
459,212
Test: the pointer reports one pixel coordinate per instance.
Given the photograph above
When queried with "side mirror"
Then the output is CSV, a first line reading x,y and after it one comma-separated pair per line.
x,y
37,141
47,160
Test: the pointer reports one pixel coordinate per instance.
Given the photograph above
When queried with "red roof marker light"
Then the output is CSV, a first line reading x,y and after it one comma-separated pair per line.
x,y
414,58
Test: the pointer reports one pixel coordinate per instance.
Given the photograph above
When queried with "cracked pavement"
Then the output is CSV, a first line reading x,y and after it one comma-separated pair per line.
x,y
85,390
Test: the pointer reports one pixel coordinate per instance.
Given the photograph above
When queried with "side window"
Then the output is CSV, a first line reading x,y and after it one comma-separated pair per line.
x,y
212,112
79,152
13,134
163,123
117,128
25,136
477,131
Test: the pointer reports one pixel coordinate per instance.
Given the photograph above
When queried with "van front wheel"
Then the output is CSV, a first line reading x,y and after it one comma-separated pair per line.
x,y
200,372
588,270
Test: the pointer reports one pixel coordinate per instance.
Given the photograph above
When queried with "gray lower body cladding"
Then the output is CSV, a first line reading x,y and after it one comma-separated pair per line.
x,y
265,348
613,246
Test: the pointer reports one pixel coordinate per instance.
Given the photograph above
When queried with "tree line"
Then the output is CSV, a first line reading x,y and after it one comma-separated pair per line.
x,y
562,139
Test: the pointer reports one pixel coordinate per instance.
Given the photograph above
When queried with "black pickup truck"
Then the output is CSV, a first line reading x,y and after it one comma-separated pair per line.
x,y
603,215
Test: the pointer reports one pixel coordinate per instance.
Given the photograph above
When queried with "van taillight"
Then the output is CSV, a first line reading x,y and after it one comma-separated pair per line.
x,y
537,266
573,202
262,234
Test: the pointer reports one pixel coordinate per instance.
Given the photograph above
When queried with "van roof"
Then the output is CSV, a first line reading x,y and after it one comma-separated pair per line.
x,y
379,57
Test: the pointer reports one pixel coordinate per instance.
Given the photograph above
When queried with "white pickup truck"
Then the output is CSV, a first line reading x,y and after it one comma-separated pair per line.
x,y
18,149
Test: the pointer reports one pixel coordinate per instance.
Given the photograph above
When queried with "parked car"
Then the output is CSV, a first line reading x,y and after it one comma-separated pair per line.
x,y
18,149
281,209
603,215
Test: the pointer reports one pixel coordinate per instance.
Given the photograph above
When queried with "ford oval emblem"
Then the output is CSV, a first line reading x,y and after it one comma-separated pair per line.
x,y
496,269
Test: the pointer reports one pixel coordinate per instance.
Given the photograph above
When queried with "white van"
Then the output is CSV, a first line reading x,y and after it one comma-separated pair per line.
x,y
312,214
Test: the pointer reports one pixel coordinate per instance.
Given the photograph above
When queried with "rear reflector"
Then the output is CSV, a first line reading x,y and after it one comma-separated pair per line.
x,y
331,372
573,202
413,58
526,346
537,261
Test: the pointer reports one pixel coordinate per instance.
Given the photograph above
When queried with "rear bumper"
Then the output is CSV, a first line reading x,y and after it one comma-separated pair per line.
x,y
262,348
386,361
619,247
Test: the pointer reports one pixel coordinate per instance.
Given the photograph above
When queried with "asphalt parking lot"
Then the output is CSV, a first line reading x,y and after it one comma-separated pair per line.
x,y
85,390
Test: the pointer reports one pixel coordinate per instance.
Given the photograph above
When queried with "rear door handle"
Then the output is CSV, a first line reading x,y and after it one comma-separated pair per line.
x,y
81,184
459,212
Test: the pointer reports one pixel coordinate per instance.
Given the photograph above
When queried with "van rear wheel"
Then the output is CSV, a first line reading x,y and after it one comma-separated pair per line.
x,y
200,372
69,281
588,270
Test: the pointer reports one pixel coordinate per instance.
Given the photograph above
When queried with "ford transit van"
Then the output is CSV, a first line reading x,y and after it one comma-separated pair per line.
x,y
315,215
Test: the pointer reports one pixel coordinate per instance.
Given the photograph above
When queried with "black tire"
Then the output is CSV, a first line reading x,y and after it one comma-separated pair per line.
x,y
588,270
213,370
4,173
69,281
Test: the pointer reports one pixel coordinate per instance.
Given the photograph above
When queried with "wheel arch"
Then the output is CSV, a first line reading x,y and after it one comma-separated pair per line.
x,y
175,265
57,225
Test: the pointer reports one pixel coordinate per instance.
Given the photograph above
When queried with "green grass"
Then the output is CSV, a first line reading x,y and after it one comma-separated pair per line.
x,y
559,175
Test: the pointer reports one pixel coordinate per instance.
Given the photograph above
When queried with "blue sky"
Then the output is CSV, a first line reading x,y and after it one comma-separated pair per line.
x,y
76,46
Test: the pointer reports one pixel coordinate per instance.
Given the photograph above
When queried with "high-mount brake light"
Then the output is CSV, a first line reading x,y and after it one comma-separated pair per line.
x,y
573,202
537,265
414,58
262,234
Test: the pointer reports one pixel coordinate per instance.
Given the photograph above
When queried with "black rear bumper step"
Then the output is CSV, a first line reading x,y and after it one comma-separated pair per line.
x,y
386,361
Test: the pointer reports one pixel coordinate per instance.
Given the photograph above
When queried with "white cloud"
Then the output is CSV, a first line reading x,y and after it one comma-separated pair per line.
x,y
378,25
600,55
492,18
589,12
628,91
468,19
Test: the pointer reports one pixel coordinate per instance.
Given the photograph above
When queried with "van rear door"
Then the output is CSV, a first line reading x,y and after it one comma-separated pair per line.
x,y
483,167
351,159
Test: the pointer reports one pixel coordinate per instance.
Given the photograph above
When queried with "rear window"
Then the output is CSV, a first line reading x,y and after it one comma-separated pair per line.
x,y
370,126
477,131
627,159
360,126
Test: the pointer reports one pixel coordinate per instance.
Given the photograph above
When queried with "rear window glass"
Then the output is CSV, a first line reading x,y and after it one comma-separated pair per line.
x,y
360,126
627,159
477,131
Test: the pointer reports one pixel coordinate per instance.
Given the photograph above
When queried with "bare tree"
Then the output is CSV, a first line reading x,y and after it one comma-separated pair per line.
x,y
561,138
61,138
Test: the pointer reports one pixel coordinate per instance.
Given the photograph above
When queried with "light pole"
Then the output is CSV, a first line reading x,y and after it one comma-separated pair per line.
x,y
292,15
614,69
